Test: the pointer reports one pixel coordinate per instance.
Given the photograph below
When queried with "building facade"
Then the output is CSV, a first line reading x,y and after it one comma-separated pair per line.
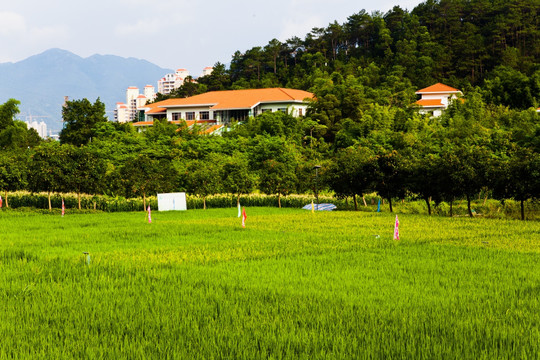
x,y
40,127
436,98
127,112
172,81
223,107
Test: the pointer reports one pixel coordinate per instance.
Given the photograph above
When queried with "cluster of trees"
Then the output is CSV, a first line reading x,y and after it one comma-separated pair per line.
x,y
396,152
362,126
487,43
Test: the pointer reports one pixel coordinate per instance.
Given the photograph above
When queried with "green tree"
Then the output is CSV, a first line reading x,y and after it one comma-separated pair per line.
x,y
203,177
18,136
8,111
237,177
277,178
517,176
219,79
85,171
470,168
390,175
80,119
351,173
13,172
47,170
143,175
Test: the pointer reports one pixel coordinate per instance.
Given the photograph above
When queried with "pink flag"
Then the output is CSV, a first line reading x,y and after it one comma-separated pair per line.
x,y
63,207
149,215
396,229
244,217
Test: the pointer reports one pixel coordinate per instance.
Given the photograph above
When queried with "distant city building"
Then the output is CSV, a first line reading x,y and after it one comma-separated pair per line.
x,y
150,92
135,101
127,112
207,71
171,81
40,127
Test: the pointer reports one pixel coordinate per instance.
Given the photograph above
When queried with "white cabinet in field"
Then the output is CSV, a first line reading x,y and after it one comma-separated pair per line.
x,y
172,201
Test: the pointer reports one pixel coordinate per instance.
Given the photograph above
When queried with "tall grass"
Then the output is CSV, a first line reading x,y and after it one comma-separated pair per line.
x,y
291,285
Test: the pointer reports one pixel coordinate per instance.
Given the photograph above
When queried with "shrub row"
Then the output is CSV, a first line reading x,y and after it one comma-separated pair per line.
x,y
491,208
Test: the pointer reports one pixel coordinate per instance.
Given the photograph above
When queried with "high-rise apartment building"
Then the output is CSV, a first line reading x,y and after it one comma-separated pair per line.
x,y
126,112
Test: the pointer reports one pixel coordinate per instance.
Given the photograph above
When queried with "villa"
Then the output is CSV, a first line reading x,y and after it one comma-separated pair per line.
x,y
222,107
436,98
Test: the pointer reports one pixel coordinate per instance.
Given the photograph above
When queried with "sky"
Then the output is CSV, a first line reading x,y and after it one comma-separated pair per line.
x,y
173,34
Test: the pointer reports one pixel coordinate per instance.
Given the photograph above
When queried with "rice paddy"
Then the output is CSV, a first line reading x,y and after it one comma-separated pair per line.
x,y
292,284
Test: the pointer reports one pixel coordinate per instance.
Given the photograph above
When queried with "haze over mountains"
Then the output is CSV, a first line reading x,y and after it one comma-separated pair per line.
x,y
40,82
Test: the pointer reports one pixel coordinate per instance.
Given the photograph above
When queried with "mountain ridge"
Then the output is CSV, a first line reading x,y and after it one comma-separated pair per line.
x,y
41,81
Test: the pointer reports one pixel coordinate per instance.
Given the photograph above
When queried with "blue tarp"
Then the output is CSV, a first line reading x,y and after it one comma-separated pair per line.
x,y
321,207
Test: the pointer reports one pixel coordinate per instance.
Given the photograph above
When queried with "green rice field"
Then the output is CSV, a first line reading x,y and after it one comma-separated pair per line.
x,y
292,284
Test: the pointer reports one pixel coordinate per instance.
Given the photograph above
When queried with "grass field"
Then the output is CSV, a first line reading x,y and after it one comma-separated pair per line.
x,y
290,285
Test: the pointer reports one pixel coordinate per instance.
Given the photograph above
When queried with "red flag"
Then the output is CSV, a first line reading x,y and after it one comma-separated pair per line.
x,y
244,217
396,229
149,215
63,207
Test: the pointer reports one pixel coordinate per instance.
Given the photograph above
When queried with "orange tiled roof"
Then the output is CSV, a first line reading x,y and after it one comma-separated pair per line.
x,y
212,128
438,88
429,102
238,99
143,123
156,110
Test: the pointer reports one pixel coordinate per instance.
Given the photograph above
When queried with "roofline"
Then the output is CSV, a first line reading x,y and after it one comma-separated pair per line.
x,y
438,92
166,107
181,106
431,106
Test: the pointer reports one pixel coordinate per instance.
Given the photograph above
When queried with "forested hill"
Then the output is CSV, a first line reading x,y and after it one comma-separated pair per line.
x,y
493,44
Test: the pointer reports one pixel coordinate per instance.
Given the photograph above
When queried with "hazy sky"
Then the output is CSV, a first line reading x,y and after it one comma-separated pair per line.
x,y
170,33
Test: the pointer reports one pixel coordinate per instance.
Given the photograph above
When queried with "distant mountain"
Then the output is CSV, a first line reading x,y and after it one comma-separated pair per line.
x,y
40,82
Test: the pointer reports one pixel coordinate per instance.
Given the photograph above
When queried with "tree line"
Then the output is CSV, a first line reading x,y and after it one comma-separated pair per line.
x,y
396,152
462,43
362,127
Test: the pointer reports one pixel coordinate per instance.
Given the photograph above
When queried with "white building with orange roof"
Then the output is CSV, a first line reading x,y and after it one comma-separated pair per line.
x,y
121,112
172,81
222,107
128,111
207,71
436,98
149,92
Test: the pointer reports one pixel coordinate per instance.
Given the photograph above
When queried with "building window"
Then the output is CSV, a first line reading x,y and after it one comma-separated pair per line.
x,y
190,115
266,110
204,115
176,116
300,112
283,110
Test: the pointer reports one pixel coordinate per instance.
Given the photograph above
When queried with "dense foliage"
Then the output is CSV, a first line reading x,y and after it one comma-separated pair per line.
x,y
361,127
487,43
